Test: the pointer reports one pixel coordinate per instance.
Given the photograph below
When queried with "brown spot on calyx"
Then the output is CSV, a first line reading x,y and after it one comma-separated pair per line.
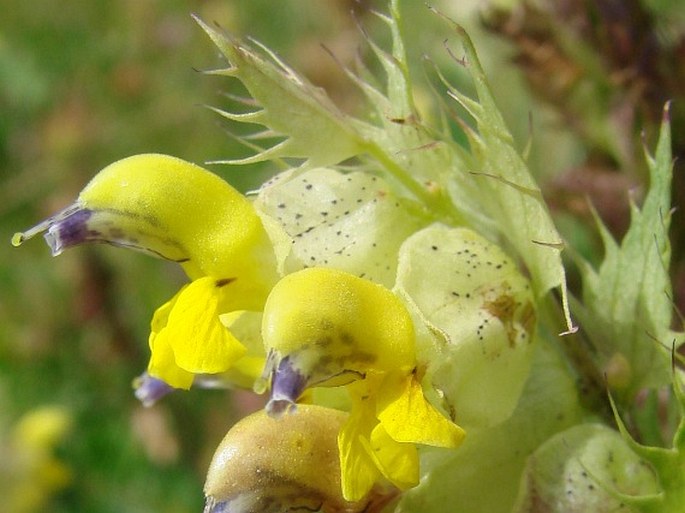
x,y
503,308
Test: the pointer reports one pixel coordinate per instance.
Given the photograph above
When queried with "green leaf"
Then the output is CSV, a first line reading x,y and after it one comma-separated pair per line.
x,y
505,187
480,310
411,154
352,222
310,125
588,467
627,306
668,464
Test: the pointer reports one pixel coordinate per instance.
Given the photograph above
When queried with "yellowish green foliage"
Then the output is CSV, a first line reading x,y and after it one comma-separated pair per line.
x,y
626,303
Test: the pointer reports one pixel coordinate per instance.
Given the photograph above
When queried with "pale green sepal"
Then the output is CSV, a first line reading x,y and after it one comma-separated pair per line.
x,y
480,310
588,467
312,126
626,306
668,463
352,222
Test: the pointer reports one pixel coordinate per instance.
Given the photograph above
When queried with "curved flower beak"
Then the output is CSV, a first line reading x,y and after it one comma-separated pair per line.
x,y
78,224
169,208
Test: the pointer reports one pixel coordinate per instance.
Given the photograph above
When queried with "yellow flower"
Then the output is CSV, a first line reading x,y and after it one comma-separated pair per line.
x,y
31,473
176,210
323,327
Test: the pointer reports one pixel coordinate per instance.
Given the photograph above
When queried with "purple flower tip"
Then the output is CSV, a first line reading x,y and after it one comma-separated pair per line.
x,y
214,506
69,231
149,390
287,384
64,229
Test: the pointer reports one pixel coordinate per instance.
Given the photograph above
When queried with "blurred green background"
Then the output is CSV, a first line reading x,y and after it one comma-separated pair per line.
x,y
86,82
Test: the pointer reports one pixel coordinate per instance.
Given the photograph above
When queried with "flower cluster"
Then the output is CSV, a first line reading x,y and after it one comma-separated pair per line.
x,y
316,283
319,326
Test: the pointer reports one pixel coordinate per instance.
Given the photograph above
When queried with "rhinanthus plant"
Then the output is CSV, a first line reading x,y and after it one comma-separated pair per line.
x,y
399,294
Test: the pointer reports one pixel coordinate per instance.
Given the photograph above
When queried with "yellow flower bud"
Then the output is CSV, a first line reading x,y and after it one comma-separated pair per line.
x,y
273,465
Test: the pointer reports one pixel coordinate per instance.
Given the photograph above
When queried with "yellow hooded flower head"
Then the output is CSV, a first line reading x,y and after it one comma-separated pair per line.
x,y
323,327
176,210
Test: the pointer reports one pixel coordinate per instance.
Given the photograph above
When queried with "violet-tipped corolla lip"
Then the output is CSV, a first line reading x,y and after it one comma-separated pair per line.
x,y
149,390
287,384
67,228
78,224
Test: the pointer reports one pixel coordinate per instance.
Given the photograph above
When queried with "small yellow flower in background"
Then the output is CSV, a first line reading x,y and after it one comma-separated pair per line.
x,y
323,327
176,210
286,464
30,472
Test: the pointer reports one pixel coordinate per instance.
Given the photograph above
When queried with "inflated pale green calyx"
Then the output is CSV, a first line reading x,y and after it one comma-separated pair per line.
x,y
480,313
273,465
347,221
588,467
